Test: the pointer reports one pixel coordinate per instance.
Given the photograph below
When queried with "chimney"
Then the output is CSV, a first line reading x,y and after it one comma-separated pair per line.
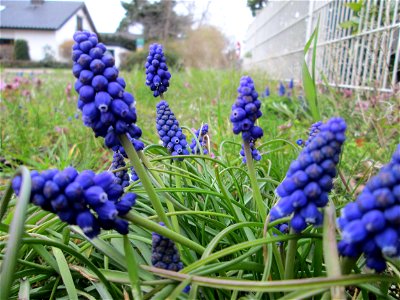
x,y
37,2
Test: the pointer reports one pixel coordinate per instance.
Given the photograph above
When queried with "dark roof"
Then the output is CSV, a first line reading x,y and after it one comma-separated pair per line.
x,y
51,15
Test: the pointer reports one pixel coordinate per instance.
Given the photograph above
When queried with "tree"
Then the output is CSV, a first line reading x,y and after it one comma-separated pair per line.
x,y
255,5
204,47
159,19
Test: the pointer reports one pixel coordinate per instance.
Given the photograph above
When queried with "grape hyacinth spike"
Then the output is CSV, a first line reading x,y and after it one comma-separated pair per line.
x,y
91,201
371,224
309,179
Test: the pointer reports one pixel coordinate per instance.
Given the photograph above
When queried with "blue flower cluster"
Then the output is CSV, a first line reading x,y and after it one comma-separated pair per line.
x,y
105,106
310,177
157,75
85,199
164,254
169,131
281,89
267,93
246,110
291,84
254,153
122,176
200,133
313,131
371,224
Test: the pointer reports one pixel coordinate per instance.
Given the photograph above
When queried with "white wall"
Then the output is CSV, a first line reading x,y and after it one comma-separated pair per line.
x,y
36,39
66,32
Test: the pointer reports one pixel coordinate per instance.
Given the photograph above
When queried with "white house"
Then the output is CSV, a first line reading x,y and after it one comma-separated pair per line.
x,y
45,25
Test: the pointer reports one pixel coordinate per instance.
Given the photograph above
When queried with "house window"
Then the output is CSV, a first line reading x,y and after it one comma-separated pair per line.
x,y
79,23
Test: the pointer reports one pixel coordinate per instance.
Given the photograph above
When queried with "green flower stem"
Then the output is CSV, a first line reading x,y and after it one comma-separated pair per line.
x,y
290,257
149,167
330,251
15,234
133,269
152,226
141,172
253,180
272,286
160,183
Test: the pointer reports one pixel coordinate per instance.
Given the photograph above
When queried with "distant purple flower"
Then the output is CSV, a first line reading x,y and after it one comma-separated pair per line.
x,y
157,74
281,89
267,92
200,134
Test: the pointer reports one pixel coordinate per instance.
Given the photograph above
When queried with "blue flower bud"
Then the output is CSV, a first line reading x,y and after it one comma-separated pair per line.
x,y
99,83
51,189
377,263
107,210
37,184
354,232
88,223
104,179
298,223
374,220
59,203
102,101
95,196
388,241
74,191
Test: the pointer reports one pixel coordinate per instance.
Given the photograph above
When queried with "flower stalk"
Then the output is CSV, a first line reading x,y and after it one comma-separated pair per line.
x,y
141,172
253,181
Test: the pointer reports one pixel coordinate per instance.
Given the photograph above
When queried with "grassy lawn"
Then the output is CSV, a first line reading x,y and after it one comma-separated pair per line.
x,y
219,229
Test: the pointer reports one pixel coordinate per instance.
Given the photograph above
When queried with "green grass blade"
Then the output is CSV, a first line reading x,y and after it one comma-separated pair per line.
x,y
15,235
65,273
5,200
132,269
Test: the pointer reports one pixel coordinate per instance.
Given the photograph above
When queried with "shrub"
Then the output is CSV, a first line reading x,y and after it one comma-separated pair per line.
x,y
21,50
132,59
66,49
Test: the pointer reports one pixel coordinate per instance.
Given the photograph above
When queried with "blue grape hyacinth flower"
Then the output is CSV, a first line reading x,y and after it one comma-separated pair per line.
x,y
165,255
169,131
200,134
313,131
371,224
105,105
281,89
267,92
246,110
121,176
310,177
157,74
91,201
254,153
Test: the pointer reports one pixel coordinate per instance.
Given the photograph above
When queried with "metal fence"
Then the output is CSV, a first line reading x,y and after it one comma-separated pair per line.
x,y
362,56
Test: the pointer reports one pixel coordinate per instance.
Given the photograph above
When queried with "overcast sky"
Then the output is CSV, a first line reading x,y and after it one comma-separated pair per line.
x,y
231,16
